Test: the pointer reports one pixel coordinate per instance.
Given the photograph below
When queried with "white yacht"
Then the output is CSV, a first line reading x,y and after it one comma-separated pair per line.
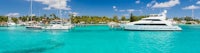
x,y
58,25
153,22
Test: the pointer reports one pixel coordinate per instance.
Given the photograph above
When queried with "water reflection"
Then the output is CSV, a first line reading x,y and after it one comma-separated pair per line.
x,y
150,42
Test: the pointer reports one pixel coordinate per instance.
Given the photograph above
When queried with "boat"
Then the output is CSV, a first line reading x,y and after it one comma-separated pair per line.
x,y
32,25
11,24
113,24
58,25
153,22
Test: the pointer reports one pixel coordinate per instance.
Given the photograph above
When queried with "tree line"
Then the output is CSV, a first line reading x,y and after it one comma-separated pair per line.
x,y
74,19
186,18
85,19
44,18
104,19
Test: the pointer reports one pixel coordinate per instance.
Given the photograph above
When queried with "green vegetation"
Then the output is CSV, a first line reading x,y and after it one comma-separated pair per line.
x,y
85,19
74,19
136,18
123,18
92,19
44,18
3,19
102,19
187,19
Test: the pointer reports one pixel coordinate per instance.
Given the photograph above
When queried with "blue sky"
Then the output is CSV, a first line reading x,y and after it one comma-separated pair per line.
x,y
176,8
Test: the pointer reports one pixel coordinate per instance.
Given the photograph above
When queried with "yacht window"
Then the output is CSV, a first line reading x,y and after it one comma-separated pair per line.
x,y
152,20
154,15
58,22
52,23
150,24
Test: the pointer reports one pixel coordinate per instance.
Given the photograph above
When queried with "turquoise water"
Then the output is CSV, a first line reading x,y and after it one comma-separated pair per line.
x,y
99,39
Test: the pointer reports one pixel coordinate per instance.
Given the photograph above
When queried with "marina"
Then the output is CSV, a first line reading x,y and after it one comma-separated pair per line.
x,y
98,39
99,26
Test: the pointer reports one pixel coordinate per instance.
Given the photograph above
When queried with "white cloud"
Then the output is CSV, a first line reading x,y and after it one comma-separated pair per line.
x,y
168,4
55,4
137,2
13,14
122,10
115,8
148,5
130,10
198,2
73,13
192,7
151,3
125,14
33,15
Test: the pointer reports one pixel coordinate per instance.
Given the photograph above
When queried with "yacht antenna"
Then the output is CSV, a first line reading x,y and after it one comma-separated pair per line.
x,y
31,10
60,13
192,13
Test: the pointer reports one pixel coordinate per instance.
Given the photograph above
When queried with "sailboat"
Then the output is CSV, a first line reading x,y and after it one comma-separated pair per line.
x,y
58,24
10,23
32,25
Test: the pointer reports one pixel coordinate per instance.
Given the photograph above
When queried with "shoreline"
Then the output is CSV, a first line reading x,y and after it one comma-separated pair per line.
x,y
101,25
90,24
107,24
188,24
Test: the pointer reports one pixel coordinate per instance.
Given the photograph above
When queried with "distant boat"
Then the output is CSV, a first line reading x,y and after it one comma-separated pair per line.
x,y
58,25
113,24
153,22
10,23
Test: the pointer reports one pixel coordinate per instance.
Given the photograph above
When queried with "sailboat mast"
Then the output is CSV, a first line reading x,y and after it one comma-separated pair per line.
x,y
31,9
60,13
193,13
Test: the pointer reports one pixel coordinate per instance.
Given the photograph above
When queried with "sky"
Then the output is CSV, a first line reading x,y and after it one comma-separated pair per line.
x,y
176,8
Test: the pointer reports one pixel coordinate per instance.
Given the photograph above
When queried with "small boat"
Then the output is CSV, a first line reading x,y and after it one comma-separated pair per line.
x,y
58,25
153,22
113,24
34,27
11,24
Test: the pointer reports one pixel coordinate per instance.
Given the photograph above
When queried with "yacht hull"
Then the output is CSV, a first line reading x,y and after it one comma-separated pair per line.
x,y
34,27
11,24
152,28
57,27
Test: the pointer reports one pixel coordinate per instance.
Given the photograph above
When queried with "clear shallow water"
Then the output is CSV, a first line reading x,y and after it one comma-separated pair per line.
x,y
99,39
